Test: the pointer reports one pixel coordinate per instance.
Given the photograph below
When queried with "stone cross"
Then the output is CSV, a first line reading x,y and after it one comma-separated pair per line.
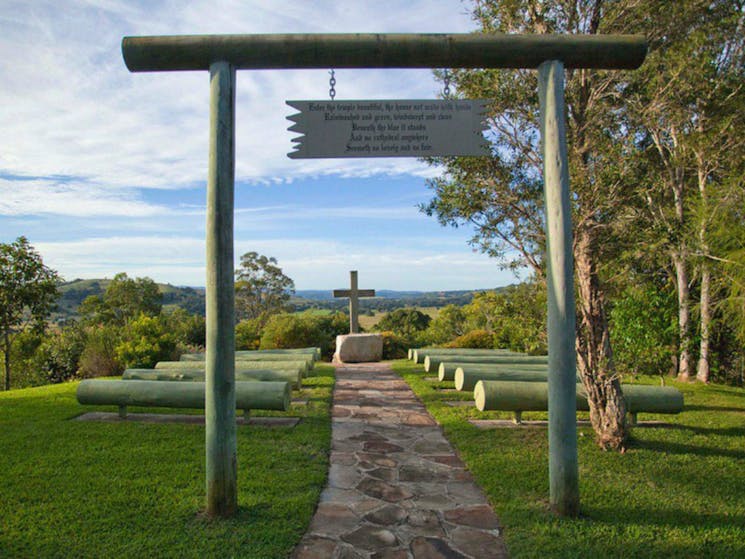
x,y
354,294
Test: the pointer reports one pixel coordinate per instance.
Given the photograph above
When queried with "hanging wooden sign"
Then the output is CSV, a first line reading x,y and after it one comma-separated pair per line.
x,y
389,128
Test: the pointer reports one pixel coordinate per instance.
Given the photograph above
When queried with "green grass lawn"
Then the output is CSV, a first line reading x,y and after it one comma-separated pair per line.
x,y
89,489
678,491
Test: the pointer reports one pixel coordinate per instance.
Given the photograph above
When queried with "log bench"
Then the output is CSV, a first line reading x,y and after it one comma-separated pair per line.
x,y
197,375
517,397
155,393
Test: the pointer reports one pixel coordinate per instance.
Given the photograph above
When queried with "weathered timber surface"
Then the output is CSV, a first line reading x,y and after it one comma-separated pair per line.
x,y
432,362
446,370
239,365
153,393
533,396
465,380
294,377
418,355
264,354
378,50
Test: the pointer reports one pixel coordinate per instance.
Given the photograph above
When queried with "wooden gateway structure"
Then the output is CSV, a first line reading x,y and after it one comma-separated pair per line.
x,y
222,55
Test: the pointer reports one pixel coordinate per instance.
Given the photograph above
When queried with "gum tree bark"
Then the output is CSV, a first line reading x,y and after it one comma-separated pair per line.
x,y
594,355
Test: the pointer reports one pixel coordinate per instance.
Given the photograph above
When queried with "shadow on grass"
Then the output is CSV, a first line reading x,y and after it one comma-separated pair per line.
x,y
695,407
674,518
716,431
685,449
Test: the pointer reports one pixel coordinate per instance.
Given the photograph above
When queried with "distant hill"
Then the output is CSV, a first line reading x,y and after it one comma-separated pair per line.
x,y
73,293
191,299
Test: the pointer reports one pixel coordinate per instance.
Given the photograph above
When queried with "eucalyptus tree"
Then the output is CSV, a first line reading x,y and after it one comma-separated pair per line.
x,y
28,293
685,107
501,196
261,288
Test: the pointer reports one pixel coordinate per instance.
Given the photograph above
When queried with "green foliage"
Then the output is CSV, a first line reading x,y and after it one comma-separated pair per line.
x,y
127,489
306,329
394,346
405,322
449,323
248,334
187,329
125,299
261,289
145,341
477,339
99,354
57,358
644,328
28,291
515,315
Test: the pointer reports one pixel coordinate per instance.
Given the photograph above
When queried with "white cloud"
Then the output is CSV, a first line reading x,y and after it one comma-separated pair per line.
x,y
313,263
72,199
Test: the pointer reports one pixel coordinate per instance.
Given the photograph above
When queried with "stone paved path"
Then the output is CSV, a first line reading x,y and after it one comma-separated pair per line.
x,y
396,488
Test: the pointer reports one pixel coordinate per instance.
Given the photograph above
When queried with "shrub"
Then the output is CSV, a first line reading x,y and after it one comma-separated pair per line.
x,y
478,339
394,346
99,356
145,341
448,325
58,357
305,329
248,334
404,322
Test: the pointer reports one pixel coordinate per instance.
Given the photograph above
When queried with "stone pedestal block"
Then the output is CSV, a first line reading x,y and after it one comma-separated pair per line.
x,y
358,348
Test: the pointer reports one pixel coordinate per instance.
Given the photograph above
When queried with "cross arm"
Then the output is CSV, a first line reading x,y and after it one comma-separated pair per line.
x,y
378,50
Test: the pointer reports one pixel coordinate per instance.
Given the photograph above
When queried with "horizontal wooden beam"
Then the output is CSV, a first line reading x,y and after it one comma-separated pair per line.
x,y
368,50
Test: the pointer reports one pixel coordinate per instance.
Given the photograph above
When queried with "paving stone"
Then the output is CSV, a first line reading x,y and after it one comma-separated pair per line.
x,y
333,519
371,537
343,458
386,474
381,490
478,543
314,548
382,447
432,447
391,554
348,552
446,459
388,515
426,522
466,493
478,516
417,473
434,548
343,477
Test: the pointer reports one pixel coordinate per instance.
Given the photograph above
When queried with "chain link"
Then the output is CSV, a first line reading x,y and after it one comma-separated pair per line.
x,y
332,83
446,80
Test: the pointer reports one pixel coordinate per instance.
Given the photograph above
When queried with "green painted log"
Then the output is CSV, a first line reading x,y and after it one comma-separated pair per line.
x,y
533,396
382,50
293,377
239,365
259,355
153,393
446,370
432,362
465,379
419,355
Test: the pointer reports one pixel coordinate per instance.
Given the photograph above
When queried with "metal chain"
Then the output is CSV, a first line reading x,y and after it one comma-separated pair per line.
x,y
332,83
446,80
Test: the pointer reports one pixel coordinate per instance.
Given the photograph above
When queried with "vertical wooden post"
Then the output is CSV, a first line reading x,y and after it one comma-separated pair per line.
x,y
222,490
354,303
562,415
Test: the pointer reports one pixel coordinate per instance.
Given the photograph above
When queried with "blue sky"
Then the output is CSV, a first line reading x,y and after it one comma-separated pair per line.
x,y
104,170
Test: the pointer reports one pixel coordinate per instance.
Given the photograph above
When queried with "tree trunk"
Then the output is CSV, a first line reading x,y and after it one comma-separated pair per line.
x,y
685,361
702,373
6,351
594,356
